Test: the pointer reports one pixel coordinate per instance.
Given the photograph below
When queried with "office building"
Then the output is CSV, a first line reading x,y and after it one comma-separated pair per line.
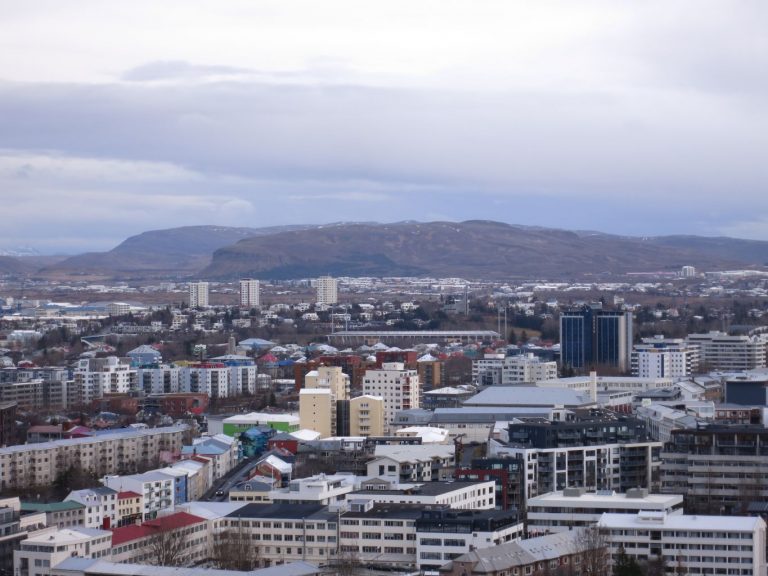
x,y
198,294
592,337
565,509
250,296
719,351
327,290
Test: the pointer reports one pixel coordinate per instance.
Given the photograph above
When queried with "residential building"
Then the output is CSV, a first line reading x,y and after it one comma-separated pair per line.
x,y
526,369
563,510
327,290
186,537
366,416
317,411
718,468
487,371
8,423
398,387
198,294
319,489
65,514
660,357
541,555
95,377
100,506
695,544
105,453
457,495
250,296
591,336
129,508
719,351
155,488
415,463
221,450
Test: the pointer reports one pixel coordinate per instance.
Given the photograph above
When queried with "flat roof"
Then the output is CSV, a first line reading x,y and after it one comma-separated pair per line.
x,y
612,499
659,520
425,489
532,396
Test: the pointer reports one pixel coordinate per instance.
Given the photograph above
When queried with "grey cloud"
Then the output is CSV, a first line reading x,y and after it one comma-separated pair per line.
x,y
178,69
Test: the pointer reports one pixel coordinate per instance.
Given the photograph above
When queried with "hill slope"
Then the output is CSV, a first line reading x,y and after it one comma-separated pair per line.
x,y
476,249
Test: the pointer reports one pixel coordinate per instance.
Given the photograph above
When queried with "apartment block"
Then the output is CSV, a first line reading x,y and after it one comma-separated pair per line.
x,y
327,289
198,294
250,293
660,357
689,544
366,416
105,453
44,549
398,387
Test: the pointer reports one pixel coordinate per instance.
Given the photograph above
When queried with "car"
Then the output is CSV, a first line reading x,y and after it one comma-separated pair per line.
x,y
219,492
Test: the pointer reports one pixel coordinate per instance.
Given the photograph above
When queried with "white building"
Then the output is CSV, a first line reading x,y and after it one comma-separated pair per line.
x,y
565,509
397,386
327,290
413,463
526,369
660,357
100,506
198,294
487,371
687,272
95,377
320,489
697,544
44,549
250,293
155,488
719,351
457,495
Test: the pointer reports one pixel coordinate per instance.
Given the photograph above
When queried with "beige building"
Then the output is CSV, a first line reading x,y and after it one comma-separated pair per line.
x,y
317,411
330,377
40,464
128,508
44,549
327,290
366,416
397,386
249,293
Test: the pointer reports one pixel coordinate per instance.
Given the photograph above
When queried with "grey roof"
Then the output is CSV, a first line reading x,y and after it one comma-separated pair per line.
x,y
89,566
522,553
485,414
425,489
528,396
283,511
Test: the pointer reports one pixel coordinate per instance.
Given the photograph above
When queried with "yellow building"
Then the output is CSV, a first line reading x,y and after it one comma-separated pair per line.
x,y
366,416
317,411
330,377
128,508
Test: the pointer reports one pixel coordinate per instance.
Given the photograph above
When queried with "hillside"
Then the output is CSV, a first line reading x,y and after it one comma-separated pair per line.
x,y
475,249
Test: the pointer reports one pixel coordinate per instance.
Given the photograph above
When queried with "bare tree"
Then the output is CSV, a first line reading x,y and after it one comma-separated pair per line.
x,y
347,562
166,546
233,550
591,549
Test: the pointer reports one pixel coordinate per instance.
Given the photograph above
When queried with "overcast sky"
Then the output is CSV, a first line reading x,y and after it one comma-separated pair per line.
x,y
641,118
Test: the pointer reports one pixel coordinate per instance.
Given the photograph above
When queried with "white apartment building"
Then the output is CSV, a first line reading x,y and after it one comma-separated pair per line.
x,y
397,386
164,379
660,357
102,454
413,463
487,371
660,420
95,377
327,290
155,488
456,495
320,489
526,369
198,294
563,510
719,351
100,506
697,544
44,549
250,296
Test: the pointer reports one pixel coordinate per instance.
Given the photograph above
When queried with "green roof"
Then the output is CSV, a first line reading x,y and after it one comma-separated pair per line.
x,y
51,506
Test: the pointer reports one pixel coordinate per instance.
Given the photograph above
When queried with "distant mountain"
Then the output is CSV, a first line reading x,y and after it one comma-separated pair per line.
x,y
474,249
14,267
157,253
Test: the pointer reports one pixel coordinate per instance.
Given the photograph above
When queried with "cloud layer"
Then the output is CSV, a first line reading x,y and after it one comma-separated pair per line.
x,y
640,119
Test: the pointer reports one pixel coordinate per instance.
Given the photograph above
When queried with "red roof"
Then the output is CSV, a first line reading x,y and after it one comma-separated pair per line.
x,y
162,524
127,494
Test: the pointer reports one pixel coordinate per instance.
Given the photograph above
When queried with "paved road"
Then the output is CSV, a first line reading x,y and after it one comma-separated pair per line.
x,y
241,472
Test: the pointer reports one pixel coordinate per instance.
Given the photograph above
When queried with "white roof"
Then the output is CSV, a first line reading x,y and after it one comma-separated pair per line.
x,y
681,522
66,536
612,499
255,418
305,434
210,510
428,434
423,452
312,391
275,462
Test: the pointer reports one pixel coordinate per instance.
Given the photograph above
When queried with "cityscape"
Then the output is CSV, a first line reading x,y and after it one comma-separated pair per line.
x,y
383,289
